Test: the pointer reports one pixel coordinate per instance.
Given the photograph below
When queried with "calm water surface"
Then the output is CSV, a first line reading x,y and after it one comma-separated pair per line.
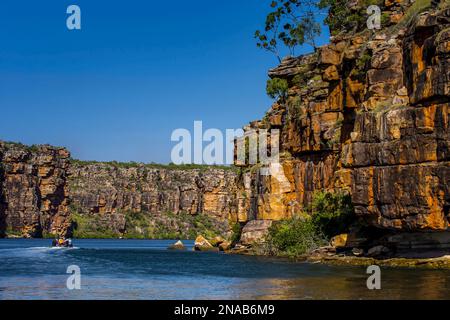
x,y
135,269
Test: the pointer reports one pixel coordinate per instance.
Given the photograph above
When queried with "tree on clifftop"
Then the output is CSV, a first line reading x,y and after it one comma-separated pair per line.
x,y
292,24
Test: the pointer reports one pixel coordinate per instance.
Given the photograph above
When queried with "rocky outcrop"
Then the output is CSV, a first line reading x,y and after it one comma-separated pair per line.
x,y
115,191
255,231
368,115
201,244
33,190
177,246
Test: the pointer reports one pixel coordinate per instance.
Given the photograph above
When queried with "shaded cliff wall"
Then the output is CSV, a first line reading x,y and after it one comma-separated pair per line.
x,y
367,114
113,191
33,190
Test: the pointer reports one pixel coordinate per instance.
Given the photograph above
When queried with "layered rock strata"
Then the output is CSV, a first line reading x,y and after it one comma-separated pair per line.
x,y
114,191
33,190
366,114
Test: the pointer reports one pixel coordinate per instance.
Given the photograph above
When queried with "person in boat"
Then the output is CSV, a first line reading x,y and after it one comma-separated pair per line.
x,y
62,243
68,243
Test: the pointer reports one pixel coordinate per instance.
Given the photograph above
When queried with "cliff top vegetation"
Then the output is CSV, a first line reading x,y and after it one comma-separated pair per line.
x,y
153,165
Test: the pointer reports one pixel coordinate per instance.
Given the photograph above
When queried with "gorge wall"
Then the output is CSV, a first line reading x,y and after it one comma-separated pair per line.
x,y
162,194
366,114
33,190
43,193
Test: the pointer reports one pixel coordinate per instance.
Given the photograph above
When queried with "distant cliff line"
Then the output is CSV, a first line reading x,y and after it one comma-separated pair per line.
x,y
152,165
46,193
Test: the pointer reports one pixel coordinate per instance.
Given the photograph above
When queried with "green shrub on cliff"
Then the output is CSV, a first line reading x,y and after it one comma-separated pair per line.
x,y
293,23
89,226
332,212
48,235
294,237
140,225
30,148
236,232
10,232
342,17
170,166
339,15
277,88
362,65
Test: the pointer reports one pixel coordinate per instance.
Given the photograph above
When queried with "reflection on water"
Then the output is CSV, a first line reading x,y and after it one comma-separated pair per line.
x,y
123,269
429,285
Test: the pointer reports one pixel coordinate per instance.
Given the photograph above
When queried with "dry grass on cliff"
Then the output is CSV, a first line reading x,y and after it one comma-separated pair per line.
x,y
415,9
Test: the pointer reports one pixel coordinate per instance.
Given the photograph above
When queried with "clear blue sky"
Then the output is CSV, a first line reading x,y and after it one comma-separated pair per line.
x,y
137,70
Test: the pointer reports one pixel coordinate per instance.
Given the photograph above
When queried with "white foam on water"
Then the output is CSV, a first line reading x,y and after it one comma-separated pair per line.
x,y
63,248
32,251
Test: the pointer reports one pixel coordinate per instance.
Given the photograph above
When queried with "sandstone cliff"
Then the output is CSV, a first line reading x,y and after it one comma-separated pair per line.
x,y
33,190
367,114
45,193
163,196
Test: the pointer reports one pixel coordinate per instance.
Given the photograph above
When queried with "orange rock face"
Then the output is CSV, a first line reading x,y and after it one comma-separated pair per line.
x,y
367,114
33,190
401,168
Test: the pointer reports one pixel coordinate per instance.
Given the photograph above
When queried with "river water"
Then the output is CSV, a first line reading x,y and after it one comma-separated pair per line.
x,y
145,269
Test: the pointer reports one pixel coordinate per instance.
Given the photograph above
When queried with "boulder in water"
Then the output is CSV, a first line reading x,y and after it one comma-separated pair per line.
x,y
378,251
255,231
201,244
358,252
216,241
177,246
339,241
225,246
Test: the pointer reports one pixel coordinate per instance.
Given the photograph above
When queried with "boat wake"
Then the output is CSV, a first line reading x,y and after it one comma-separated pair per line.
x,y
33,251
62,248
